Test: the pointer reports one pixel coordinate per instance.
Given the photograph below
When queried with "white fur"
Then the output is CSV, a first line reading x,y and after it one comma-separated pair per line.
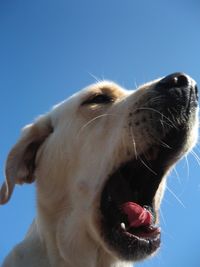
x,y
77,148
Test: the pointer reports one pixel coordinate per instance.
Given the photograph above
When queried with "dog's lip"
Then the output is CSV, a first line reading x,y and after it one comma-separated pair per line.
x,y
134,243
150,233
122,188
120,231
145,233
133,182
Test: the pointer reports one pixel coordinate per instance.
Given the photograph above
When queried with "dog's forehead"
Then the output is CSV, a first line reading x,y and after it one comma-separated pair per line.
x,y
115,91
104,87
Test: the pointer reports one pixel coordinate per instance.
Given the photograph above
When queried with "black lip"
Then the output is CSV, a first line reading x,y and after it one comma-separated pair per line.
x,y
137,180
131,247
128,243
121,187
134,182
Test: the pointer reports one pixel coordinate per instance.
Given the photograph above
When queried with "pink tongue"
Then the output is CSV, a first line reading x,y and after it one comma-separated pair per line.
x,y
137,215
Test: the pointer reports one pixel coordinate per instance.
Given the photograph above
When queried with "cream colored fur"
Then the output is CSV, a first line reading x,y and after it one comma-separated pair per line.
x,y
72,150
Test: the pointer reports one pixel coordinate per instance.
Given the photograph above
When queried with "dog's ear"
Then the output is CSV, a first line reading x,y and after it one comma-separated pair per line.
x,y
20,164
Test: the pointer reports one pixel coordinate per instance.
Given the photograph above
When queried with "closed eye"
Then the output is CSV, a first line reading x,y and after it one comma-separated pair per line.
x,y
98,99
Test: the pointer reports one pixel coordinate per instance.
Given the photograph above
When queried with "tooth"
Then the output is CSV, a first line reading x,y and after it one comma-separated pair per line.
x,y
123,226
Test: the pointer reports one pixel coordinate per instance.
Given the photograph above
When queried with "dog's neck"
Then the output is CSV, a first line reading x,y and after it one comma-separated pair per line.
x,y
66,239
74,250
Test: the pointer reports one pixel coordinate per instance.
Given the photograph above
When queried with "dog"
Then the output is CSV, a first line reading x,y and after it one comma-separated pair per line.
x,y
100,160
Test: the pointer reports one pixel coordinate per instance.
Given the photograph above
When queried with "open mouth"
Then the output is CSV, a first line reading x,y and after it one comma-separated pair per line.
x,y
129,219
128,204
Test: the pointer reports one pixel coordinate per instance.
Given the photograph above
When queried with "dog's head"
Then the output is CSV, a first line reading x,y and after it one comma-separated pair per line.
x,y
100,160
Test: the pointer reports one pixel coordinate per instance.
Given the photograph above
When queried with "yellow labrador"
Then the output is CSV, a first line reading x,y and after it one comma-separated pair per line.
x,y
99,160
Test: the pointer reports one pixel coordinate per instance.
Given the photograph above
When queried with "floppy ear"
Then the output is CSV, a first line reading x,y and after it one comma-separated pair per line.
x,y
20,164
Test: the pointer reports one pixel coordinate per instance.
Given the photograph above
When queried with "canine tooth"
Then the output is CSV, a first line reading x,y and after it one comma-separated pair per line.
x,y
123,226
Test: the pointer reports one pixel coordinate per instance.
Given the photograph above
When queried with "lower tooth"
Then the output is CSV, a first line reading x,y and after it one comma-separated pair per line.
x,y
123,226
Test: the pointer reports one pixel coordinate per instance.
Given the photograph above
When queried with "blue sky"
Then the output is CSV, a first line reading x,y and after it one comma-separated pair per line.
x,y
48,49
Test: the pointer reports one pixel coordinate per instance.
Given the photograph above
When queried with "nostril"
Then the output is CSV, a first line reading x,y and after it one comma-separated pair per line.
x,y
177,79
182,80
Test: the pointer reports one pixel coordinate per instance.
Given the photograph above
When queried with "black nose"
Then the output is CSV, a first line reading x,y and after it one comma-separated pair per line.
x,y
178,87
177,79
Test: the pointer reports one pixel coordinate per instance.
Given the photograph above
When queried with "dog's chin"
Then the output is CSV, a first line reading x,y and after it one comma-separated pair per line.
x,y
136,182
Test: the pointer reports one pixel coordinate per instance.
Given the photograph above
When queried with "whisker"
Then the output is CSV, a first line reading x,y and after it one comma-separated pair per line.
x,y
92,120
162,121
194,154
149,168
175,196
177,175
136,85
156,111
134,143
94,77
156,99
164,144
162,216
160,142
187,164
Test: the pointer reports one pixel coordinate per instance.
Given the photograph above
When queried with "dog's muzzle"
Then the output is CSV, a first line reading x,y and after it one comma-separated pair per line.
x,y
129,216
179,88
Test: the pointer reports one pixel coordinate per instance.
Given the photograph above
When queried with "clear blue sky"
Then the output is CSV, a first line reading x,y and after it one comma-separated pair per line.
x,y
47,50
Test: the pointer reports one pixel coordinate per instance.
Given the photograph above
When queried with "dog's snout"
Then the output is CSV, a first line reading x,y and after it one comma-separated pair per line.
x,y
178,87
177,79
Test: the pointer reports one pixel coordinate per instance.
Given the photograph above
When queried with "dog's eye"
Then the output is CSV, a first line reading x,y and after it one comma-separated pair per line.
x,y
98,99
